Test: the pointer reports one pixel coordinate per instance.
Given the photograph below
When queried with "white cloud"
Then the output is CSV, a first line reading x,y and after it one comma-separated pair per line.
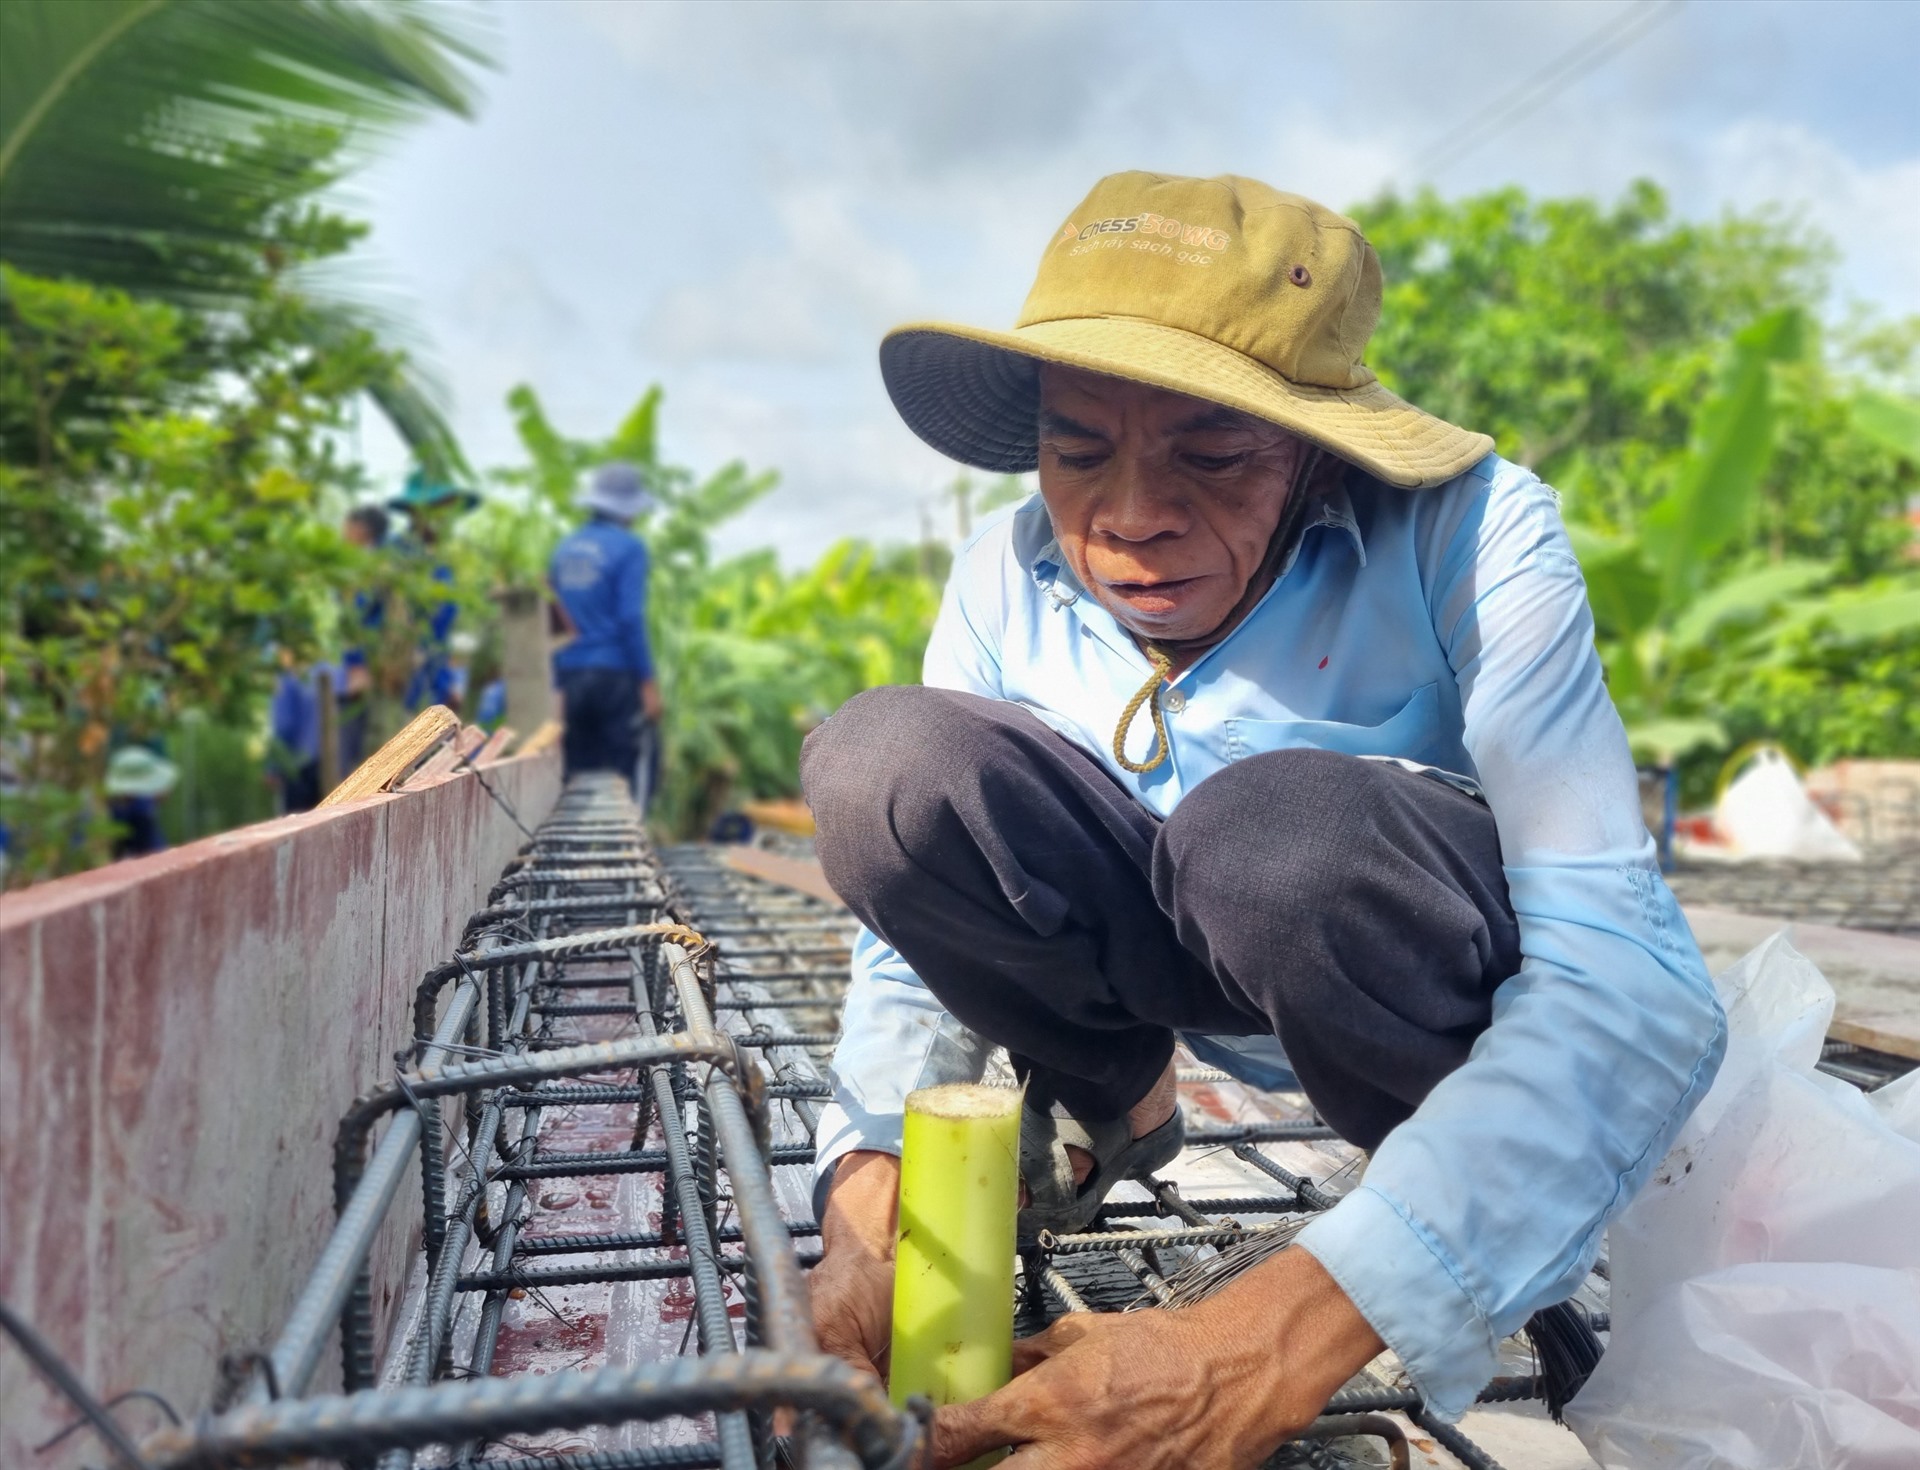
x,y
507,301
835,168
826,276
913,85
1871,213
859,474
1338,165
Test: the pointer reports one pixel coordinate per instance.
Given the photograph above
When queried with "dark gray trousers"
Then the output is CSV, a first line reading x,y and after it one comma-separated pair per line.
x,y
1355,910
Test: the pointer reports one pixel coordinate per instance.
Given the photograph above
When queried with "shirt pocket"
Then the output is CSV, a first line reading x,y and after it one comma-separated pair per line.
x,y
1407,732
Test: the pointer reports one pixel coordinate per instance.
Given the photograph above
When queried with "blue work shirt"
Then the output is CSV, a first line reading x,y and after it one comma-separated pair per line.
x,y
1446,629
294,714
599,573
435,678
370,616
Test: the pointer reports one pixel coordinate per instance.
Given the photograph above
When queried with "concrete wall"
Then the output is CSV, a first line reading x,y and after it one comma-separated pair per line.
x,y
179,1035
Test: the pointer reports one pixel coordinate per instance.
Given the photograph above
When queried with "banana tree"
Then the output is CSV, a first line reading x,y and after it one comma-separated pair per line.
x,y
166,147
1662,610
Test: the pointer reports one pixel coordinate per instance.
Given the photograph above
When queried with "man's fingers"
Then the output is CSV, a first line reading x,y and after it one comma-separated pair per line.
x,y
962,1432
1030,1352
846,1346
854,1354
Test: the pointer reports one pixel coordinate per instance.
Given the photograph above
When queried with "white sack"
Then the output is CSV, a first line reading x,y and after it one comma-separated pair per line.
x,y
1766,812
1766,1284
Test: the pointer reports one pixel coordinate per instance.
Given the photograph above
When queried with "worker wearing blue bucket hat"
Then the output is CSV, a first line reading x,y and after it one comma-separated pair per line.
x,y
604,671
430,505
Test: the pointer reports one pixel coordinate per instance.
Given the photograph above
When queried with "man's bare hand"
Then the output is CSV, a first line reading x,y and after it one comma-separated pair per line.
x,y
852,1287
1218,1386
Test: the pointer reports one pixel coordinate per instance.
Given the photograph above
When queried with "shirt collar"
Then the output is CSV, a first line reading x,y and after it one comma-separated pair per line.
x,y
1333,509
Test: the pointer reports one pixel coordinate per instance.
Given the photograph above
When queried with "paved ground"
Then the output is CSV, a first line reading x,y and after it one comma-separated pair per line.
x,y
1881,893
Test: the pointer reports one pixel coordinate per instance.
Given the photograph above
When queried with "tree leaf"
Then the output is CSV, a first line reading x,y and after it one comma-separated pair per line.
x,y
1667,741
1869,613
1893,423
1847,615
1734,443
147,143
1745,596
411,400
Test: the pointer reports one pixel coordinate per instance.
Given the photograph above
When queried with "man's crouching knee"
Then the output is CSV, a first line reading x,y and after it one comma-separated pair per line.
x,y
880,776
1282,816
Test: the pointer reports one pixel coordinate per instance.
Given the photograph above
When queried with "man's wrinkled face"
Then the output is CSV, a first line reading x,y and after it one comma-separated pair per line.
x,y
1164,505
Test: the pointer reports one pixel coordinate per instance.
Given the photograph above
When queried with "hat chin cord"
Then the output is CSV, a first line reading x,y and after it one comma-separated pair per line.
x,y
1160,653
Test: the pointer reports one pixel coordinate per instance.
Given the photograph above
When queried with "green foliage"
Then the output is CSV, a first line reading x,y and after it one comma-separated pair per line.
x,y
509,540
1736,499
1893,423
171,398
154,145
1579,336
164,481
763,656
750,657
172,149
220,786
1670,619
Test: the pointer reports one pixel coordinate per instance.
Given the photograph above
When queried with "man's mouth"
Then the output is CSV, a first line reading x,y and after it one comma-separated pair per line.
x,y
1158,598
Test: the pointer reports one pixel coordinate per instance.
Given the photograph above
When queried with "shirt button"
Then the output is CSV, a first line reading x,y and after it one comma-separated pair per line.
x,y
1173,701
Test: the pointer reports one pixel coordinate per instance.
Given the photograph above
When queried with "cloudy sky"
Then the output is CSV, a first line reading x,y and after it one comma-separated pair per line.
x,y
737,200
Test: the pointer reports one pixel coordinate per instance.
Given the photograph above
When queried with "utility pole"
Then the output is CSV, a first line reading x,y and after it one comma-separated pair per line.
x,y
524,663
962,493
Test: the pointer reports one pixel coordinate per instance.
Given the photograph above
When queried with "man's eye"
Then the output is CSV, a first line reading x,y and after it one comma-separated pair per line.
x,y
1214,464
1084,461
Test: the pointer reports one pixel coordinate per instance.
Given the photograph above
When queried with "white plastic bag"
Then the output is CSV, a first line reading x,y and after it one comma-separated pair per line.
x,y
1766,1284
1766,812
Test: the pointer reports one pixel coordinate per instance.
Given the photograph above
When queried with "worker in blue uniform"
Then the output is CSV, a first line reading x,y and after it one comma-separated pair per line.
x,y
365,528
431,506
605,670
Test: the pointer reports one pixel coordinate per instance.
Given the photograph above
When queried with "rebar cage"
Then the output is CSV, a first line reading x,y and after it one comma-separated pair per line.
x,y
627,1038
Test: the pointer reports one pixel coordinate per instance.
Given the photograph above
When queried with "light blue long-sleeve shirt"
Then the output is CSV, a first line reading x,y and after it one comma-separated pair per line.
x,y
1447,628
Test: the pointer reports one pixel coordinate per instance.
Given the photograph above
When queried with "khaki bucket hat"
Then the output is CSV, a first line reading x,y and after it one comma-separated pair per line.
x,y
1222,289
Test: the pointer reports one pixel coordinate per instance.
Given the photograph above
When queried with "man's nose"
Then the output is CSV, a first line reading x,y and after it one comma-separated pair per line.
x,y
1136,506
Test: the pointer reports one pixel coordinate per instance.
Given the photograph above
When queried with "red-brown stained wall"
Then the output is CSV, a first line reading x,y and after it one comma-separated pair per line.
x,y
178,1036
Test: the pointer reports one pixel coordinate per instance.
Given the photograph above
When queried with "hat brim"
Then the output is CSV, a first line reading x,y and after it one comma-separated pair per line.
x,y
465,499
973,394
156,779
622,507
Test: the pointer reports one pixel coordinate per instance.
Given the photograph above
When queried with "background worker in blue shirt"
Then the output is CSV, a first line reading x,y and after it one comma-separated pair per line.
x,y
430,507
366,528
605,672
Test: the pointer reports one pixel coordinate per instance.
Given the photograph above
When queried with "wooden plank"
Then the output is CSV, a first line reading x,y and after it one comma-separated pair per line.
x,y
1875,977
387,766
787,815
448,757
802,875
546,734
497,745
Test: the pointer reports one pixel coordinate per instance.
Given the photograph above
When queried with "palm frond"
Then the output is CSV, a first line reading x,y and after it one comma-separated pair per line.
x,y
149,144
411,399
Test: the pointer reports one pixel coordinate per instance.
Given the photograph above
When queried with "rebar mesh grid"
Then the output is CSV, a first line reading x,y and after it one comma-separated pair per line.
x,y
610,1274
567,1049
771,951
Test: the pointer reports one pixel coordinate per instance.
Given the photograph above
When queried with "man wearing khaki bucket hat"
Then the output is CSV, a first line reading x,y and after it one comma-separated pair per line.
x,y
1272,725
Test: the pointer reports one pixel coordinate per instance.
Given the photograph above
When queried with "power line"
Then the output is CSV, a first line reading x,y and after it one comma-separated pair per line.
x,y
1575,62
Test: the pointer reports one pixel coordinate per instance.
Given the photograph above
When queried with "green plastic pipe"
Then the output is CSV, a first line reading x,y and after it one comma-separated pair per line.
x,y
953,1266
